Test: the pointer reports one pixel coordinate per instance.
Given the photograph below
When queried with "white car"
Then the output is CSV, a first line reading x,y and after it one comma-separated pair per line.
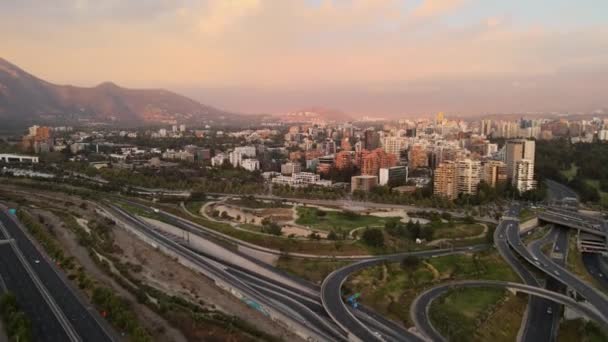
x,y
37,261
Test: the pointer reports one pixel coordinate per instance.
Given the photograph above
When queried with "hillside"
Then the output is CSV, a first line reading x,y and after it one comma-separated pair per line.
x,y
24,98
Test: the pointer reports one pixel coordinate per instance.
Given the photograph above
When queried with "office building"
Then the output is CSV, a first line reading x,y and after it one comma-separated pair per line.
x,y
363,183
393,176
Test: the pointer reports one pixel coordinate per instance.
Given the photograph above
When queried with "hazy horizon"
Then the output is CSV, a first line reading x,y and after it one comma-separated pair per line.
x,y
373,57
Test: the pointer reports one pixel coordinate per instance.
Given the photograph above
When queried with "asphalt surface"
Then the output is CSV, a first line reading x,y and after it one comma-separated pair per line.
x,y
597,266
535,326
260,290
45,326
82,317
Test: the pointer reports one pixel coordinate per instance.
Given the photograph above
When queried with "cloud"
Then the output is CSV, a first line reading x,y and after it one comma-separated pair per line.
x,y
431,8
221,14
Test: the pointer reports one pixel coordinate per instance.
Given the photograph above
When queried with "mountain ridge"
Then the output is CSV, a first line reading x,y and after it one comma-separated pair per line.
x,y
28,99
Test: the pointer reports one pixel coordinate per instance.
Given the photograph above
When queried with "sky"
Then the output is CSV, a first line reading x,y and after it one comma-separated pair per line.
x,y
373,57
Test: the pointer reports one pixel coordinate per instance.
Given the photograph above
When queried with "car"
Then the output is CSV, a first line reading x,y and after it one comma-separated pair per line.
x,y
377,334
549,310
537,263
556,272
155,210
535,258
37,261
557,248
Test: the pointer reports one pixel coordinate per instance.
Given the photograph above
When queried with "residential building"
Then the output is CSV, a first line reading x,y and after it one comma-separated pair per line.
x,y
494,173
417,157
394,145
524,175
444,182
301,179
375,160
468,175
288,169
517,150
250,164
343,160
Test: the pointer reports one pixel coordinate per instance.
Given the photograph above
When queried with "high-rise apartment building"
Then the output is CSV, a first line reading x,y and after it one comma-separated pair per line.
x,y
524,175
375,160
468,175
516,151
494,173
394,145
343,160
393,176
444,183
372,140
417,157
288,169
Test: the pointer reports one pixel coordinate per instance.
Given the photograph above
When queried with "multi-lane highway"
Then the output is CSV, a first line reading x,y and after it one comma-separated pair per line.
x,y
78,320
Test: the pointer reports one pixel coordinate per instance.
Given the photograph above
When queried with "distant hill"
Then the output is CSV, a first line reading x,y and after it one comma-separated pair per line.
x,y
316,115
25,98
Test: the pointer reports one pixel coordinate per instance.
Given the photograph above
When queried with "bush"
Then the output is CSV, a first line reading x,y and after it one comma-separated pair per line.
x,y
373,237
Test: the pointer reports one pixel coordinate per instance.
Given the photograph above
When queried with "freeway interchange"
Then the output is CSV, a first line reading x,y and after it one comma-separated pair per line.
x,y
315,313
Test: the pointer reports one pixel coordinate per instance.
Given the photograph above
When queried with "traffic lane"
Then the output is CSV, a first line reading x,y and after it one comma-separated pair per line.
x,y
592,264
45,326
536,326
562,275
81,319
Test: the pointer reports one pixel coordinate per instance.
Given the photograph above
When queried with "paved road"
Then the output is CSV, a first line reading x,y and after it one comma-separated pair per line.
x,y
263,291
535,326
331,294
45,325
85,320
420,307
559,191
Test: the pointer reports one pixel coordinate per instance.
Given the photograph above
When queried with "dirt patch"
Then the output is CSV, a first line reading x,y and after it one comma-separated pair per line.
x,y
168,275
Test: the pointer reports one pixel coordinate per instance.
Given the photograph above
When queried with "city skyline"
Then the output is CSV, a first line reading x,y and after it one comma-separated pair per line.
x,y
374,57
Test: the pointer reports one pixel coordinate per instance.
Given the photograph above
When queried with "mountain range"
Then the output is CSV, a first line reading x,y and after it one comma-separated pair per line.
x,y
27,99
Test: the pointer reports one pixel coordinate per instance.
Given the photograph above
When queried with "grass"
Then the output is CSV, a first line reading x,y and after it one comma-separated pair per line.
x,y
390,290
579,330
526,214
459,231
574,263
194,207
469,314
312,270
603,195
337,220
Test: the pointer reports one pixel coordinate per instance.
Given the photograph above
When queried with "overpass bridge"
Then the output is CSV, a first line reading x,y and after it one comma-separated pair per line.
x,y
592,231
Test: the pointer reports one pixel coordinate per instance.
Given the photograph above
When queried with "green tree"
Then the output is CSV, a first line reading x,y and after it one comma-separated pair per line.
x,y
373,237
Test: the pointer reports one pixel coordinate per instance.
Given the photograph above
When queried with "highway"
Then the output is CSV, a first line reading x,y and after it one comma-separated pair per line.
x,y
331,293
420,307
45,324
534,327
287,302
84,319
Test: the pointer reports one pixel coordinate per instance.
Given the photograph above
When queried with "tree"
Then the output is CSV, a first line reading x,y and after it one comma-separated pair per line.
x,y
332,235
490,235
410,263
373,237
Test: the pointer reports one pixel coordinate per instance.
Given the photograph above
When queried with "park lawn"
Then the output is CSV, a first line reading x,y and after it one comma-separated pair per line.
x,y
194,207
390,290
458,231
526,214
461,314
309,269
338,220
503,325
579,330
